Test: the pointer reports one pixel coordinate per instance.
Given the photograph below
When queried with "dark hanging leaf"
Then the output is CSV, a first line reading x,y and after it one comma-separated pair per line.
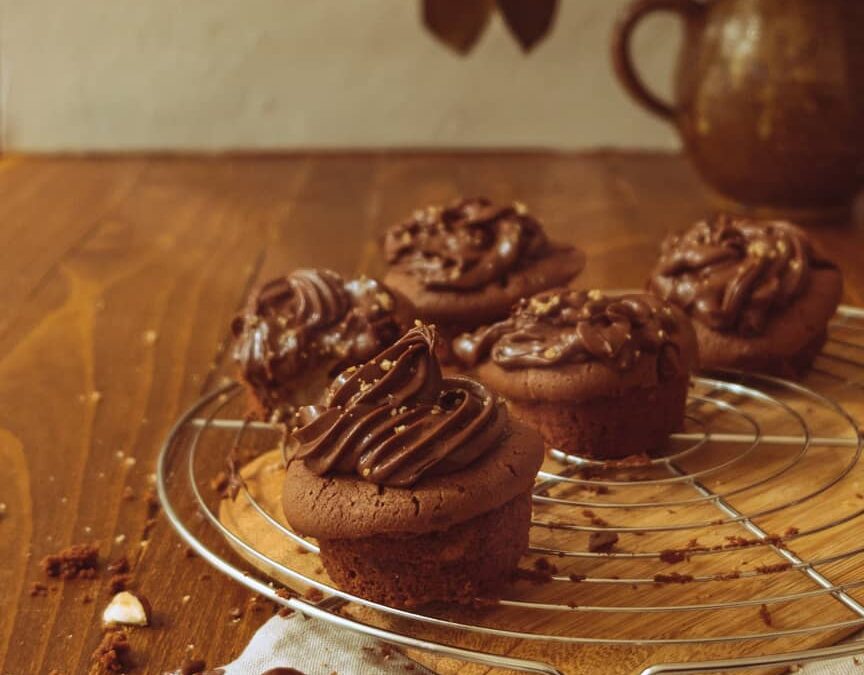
x,y
529,20
457,23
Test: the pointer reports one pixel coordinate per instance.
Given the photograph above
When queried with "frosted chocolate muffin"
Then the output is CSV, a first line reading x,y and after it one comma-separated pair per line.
x,y
298,331
598,376
465,265
416,486
759,295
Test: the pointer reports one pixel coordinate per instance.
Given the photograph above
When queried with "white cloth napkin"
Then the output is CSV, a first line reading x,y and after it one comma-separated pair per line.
x,y
846,666
317,648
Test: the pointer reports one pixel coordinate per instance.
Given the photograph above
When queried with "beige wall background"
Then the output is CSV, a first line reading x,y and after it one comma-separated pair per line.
x,y
261,74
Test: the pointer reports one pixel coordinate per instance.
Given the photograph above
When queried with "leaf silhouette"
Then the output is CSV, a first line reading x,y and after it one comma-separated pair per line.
x,y
528,20
457,23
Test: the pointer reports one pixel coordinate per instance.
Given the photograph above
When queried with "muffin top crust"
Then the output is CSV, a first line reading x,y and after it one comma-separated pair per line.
x,y
733,274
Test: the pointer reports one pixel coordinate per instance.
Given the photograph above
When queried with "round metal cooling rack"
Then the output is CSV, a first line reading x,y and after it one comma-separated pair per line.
x,y
758,455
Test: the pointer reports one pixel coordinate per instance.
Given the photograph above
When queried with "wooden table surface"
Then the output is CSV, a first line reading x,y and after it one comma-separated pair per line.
x,y
118,279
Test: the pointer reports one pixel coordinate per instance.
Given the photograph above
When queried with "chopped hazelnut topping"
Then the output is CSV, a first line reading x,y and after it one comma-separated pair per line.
x,y
384,300
758,249
595,294
400,428
541,307
552,352
520,208
385,365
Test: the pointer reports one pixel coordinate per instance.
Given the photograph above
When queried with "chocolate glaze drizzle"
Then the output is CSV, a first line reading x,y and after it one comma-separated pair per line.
x,y
467,245
733,273
569,326
396,419
307,316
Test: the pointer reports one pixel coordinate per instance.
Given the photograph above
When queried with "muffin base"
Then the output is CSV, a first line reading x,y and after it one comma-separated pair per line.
x,y
639,420
456,565
790,366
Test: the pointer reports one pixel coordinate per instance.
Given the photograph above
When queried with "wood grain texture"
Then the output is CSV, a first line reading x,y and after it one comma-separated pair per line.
x,y
118,278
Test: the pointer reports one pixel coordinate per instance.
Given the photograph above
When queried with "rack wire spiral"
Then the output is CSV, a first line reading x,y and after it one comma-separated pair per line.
x,y
751,476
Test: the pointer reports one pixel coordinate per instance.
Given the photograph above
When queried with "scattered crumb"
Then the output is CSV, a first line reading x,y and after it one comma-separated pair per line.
x,y
114,653
283,611
673,556
119,582
533,575
544,566
193,667
313,595
673,578
185,599
602,542
120,538
150,337
189,552
791,532
119,566
151,500
235,614
149,524
219,483
38,589
3,508
766,617
127,609
128,494
80,561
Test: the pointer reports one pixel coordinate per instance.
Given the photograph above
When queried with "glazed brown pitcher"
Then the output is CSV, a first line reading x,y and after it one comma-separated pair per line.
x,y
769,99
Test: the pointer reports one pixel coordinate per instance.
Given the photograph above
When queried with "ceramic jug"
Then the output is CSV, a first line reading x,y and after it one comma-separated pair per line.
x,y
768,99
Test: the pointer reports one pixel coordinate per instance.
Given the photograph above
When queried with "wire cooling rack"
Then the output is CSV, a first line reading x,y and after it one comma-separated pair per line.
x,y
753,514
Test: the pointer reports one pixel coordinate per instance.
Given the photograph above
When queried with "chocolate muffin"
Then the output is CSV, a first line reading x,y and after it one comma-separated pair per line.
x,y
759,295
598,376
465,265
300,330
417,486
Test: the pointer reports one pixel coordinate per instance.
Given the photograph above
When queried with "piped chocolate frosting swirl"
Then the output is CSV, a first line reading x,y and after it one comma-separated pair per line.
x,y
396,419
308,316
732,273
570,326
467,245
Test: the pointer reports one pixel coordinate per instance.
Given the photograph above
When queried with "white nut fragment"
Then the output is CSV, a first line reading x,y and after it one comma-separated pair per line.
x,y
126,609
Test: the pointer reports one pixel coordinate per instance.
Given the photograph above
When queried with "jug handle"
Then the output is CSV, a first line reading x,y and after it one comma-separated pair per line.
x,y
622,55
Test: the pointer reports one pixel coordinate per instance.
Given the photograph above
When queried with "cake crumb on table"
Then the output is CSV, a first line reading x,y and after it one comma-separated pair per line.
x,y
765,615
38,589
602,542
80,561
313,595
114,653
